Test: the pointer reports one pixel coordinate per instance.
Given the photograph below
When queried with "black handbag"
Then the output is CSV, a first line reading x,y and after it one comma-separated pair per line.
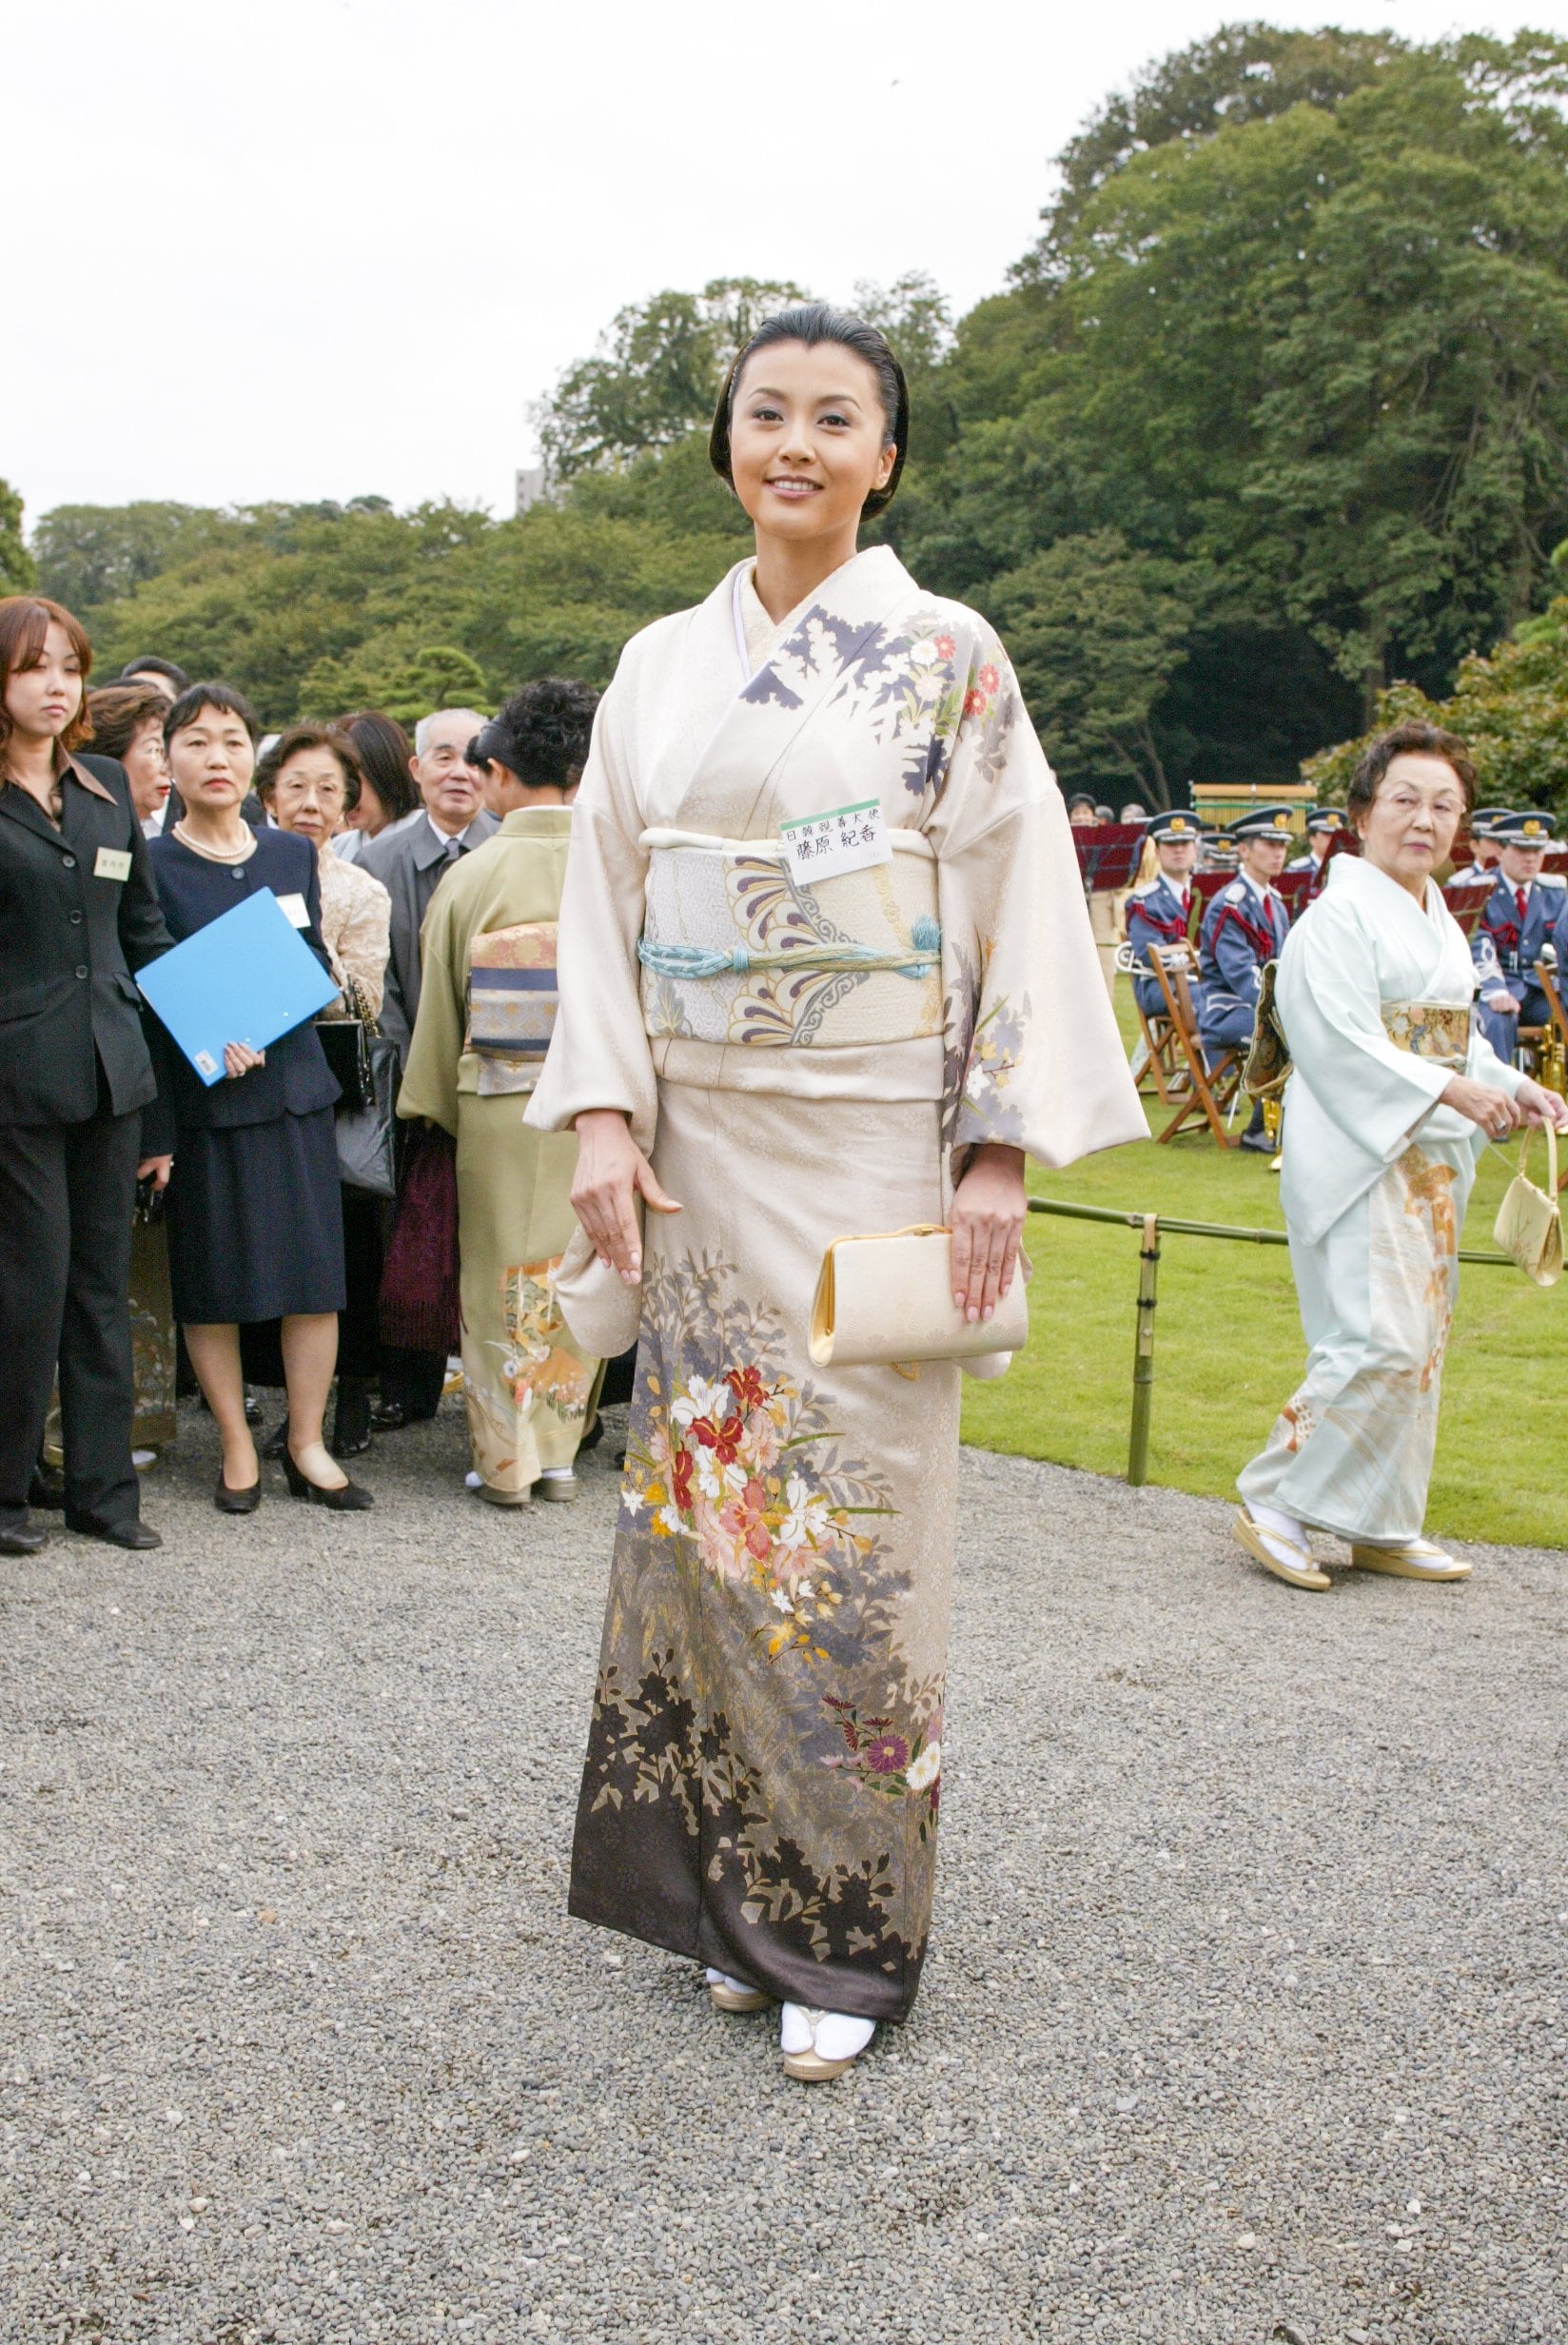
x,y
365,1065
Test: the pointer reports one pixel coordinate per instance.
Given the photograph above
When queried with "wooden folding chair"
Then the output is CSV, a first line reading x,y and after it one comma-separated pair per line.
x,y
1159,1046
1214,1088
1547,978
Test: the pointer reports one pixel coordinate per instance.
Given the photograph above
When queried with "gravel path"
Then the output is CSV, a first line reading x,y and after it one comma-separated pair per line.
x,y
1244,2019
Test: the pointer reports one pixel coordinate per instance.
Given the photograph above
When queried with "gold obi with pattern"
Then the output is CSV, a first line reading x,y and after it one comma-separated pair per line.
x,y
736,949
512,1003
1435,1029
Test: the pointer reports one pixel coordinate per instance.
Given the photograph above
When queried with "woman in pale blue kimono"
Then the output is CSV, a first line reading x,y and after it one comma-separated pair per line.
x,y
769,1045
1394,1096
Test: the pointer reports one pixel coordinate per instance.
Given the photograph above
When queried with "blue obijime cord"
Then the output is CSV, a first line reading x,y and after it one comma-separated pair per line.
x,y
694,960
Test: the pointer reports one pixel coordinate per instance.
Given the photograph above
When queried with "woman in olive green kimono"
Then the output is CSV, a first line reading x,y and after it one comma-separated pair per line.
x,y
487,1004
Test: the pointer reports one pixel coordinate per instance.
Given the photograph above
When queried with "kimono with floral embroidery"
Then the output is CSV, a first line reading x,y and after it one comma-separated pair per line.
x,y
1374,992
487,952
805,1057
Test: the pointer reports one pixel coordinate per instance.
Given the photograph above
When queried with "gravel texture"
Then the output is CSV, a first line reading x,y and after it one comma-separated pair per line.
x,y
1244,2019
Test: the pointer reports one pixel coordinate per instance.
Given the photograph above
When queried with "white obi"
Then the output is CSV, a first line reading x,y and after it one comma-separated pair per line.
x,y
735,949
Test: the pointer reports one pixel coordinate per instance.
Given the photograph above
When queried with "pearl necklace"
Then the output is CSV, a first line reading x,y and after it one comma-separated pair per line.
x,y
217,855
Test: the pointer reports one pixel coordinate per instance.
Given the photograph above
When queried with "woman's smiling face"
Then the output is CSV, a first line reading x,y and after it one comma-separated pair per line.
x,y
808,438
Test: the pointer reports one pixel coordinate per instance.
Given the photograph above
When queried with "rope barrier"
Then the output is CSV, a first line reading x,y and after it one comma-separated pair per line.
x,y
1150,1227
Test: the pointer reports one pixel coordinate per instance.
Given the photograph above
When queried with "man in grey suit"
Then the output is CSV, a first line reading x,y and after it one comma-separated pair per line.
x,y
409,859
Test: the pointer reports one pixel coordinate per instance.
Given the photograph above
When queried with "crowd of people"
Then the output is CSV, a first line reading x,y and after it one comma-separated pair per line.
x,y
809,956
250,1259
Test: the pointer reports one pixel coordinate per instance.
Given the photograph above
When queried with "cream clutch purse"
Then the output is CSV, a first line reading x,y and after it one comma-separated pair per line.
x,y
886,1301
603,1313
1529,1223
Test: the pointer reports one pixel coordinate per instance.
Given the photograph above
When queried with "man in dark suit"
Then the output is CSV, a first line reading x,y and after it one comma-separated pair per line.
x,y
409,859
78,917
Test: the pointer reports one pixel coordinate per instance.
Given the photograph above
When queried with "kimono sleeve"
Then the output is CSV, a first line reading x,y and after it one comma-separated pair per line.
x,y
1033,1057
1329,1002
599,1054
429,1087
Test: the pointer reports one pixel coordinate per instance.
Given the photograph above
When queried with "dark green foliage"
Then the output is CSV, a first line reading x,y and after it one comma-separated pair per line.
x,y
16,568
1275,412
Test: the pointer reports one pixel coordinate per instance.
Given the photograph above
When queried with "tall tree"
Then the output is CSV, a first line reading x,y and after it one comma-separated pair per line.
x,y
18,573
89,555
655,375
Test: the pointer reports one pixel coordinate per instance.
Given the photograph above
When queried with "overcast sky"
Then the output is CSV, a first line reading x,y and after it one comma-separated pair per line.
x,y
323,248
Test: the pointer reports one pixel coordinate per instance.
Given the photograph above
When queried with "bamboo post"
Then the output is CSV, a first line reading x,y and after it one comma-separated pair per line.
x,y
1142,1355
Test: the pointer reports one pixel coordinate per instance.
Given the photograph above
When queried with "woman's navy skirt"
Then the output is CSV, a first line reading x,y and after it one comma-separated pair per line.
x,y
255,1221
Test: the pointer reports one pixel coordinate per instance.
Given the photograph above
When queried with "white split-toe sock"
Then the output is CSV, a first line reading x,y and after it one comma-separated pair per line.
x,y
1285,1527
723,1979
832,2036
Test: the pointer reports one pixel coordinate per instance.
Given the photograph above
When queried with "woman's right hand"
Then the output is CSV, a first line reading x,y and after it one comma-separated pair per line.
x,y
612,1171
239,1058
1492,1110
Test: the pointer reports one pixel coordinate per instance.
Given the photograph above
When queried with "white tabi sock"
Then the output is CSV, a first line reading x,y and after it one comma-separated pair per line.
x,y
1283,1526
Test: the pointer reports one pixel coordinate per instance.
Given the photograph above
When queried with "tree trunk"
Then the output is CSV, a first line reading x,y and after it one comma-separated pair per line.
x,y
1374,680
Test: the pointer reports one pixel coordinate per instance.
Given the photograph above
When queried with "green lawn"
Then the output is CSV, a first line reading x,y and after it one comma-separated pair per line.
x,y
1228,1346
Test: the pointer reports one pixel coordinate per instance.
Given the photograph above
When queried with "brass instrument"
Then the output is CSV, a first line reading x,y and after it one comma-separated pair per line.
x,y
1552,1065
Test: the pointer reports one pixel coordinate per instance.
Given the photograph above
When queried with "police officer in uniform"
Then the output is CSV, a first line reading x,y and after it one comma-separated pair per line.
x,y
1245,926
1322,823
1159,910
1518,919
1484,850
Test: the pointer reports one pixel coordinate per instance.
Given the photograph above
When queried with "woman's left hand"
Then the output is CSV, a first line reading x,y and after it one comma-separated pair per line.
x,y
987,1218
158,1166
1539,1106
239,1058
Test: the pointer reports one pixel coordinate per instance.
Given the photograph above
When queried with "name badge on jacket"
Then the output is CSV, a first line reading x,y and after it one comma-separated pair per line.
x,y
294,910
112,863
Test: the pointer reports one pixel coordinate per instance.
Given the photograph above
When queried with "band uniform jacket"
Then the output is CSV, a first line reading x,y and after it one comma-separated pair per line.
x,y
1242,930
72,937
1155,916
1517,942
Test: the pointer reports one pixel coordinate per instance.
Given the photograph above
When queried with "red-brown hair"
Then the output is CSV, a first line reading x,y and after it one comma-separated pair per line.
x,y
24,629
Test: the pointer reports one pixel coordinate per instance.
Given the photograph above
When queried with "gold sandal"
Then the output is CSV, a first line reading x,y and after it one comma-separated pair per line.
x,y
1413,1559
1299,1572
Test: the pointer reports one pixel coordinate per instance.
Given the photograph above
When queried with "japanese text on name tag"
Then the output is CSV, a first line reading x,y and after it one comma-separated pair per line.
x,y
844,839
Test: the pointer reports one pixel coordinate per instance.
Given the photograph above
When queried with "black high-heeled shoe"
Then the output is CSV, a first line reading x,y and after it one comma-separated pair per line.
x,y
230,1501
351,1499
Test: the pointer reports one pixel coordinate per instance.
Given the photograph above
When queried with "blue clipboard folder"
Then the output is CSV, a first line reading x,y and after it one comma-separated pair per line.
x,y
247,976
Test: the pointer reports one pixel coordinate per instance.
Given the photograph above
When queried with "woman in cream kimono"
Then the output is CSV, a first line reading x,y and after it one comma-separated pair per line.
x,y
1395,1093
487,1005
771,1045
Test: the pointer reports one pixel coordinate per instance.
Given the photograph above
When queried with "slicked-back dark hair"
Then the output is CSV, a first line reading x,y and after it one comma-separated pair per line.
x,y
149,664
227,699
814,322
1414,738
542,734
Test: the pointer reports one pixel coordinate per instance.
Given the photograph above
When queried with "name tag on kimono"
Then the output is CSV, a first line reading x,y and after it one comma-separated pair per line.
x,y
845,839
112,863
295,910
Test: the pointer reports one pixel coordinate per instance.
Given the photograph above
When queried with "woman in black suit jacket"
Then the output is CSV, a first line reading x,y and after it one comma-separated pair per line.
x,y
255,1220
78,917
